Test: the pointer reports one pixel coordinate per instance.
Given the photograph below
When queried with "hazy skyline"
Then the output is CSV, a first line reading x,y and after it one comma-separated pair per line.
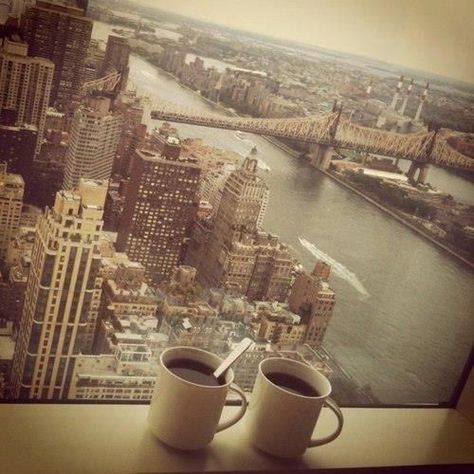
x,y
436,36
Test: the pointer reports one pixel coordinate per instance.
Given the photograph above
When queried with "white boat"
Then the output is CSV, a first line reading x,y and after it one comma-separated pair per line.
x,y
263,166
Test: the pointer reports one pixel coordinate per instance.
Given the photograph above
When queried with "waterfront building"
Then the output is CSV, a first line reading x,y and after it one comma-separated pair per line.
x,y
61,33
313,299
12,188
60,293
258,266
160,207
94,138
25,87
232,252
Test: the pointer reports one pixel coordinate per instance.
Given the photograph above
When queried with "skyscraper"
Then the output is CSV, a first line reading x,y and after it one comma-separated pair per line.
x,y
11,200
117,53
241,210
59,32
95,133
160,207
59,293
25,86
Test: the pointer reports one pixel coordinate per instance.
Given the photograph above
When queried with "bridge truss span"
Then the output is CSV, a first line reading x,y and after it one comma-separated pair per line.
x,y
106,83
413,146
329,129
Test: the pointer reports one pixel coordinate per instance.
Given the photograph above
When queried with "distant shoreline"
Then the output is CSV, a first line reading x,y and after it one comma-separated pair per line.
x,y
400,219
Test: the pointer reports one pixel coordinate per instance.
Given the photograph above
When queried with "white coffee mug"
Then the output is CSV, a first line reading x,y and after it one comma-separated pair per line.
x,y
280,422
184,414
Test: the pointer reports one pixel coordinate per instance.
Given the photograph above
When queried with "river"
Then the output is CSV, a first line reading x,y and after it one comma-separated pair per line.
x,y
403,321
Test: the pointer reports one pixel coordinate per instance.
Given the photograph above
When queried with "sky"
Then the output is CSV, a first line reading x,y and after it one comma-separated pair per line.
x,y
429,35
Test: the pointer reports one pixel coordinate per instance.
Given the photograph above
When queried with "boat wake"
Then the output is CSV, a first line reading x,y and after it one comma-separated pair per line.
x,y
262,165
338,268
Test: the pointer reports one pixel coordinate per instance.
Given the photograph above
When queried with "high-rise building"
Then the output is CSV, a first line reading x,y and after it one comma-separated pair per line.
x,y
117,53
59,294
94,138
25,86
61,33
239,216
160,207
17,147
313,299
12,188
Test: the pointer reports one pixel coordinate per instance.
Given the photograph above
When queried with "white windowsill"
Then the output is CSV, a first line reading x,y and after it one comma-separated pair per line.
x,y
115,438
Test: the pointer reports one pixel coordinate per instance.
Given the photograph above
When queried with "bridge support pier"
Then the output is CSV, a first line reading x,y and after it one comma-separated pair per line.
x,y
422,169
321,155
423,174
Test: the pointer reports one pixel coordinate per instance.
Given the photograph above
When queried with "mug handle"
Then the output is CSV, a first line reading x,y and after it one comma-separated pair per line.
x,y
340,420
227,424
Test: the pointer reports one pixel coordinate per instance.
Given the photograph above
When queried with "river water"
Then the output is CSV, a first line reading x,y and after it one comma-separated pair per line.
x,y
403,321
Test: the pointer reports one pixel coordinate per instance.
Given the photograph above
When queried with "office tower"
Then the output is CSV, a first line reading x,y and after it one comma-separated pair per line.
x,y
313,299
133,132
25,86
234,253
243,203
12,188
59,294
160,208
241,210
95,132
60,33
117,53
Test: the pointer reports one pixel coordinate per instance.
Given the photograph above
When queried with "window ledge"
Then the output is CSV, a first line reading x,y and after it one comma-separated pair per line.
x,y
115,438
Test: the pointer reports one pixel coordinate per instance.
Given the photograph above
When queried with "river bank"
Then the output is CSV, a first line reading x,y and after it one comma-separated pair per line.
x,y
400,218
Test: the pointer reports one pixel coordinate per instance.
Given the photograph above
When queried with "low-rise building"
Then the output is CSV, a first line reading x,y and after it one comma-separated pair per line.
x,y
128,374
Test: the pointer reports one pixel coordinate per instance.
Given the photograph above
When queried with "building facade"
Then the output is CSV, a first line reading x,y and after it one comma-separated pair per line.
x,y
117,53
25,87
94,138
59,294
12,188
160,207
61,33
129,374
313,299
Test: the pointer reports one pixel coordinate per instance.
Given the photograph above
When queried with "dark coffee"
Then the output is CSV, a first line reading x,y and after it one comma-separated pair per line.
x,y
292,384
194,372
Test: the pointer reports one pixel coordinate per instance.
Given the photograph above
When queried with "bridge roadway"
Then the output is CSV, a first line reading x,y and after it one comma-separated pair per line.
x,y
331,130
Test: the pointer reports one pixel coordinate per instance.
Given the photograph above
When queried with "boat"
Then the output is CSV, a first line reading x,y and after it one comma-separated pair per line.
x,y
263,166
253,151
240,134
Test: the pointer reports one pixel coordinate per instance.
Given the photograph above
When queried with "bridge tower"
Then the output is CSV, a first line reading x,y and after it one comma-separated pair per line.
x,y
422,166
320,155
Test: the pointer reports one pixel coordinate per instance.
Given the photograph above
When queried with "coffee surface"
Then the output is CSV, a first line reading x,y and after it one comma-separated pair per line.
x,y
292,384
194,372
